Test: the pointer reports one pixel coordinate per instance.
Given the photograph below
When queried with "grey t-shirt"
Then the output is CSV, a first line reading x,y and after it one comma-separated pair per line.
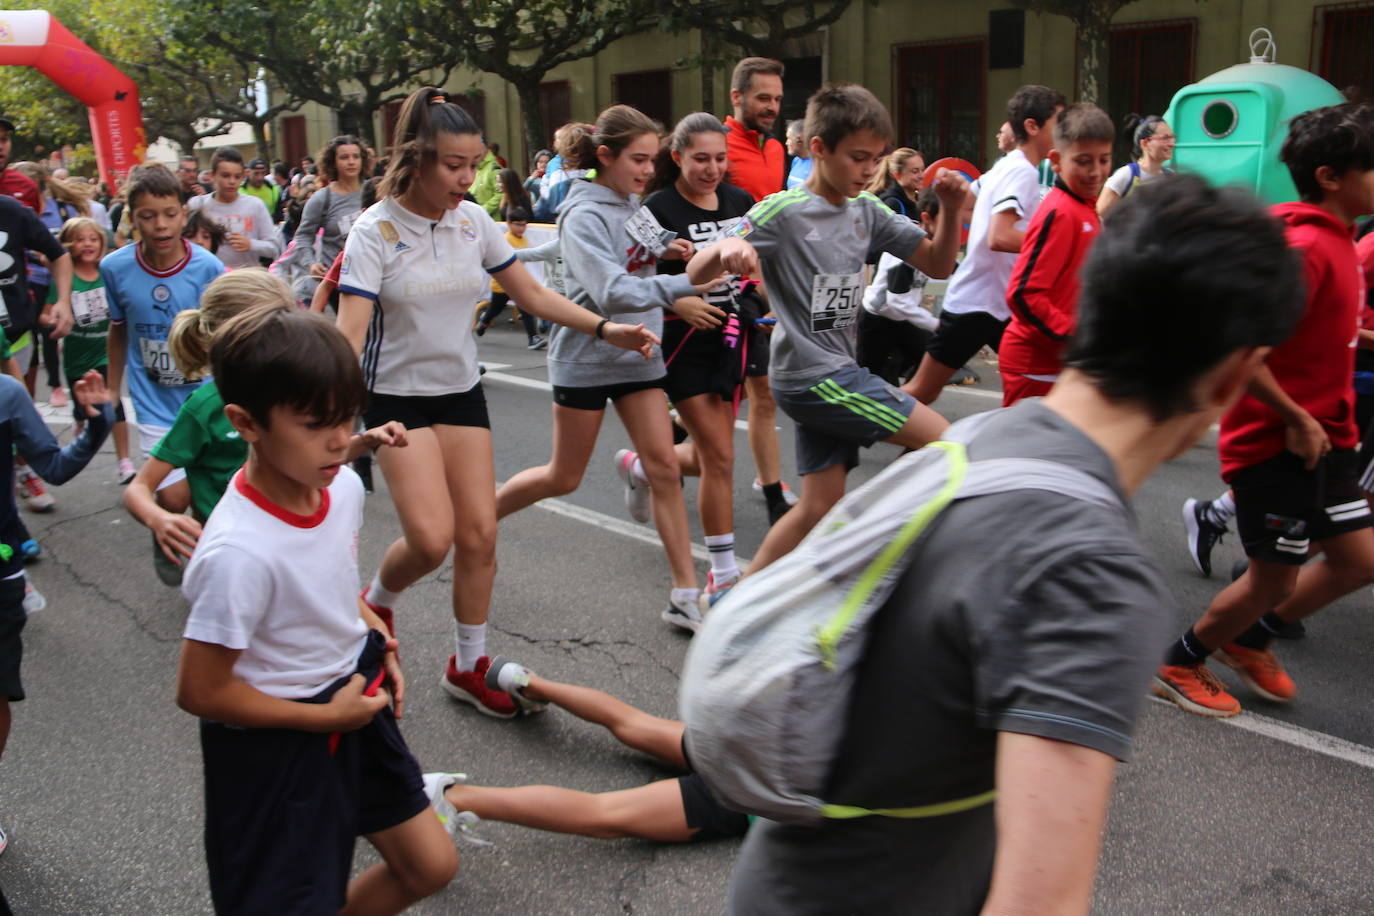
x,y
335,213
1023,612
812,255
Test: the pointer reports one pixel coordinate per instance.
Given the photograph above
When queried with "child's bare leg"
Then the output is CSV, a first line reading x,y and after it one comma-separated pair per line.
x,y
634,728
120,435
650,812
418,859
175,497
820,491
922,427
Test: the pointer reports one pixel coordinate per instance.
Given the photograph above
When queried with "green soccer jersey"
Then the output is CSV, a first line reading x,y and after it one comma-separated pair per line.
x,y
84,348
206,446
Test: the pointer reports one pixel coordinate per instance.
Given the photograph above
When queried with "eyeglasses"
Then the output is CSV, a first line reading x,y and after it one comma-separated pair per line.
x,y
1163,137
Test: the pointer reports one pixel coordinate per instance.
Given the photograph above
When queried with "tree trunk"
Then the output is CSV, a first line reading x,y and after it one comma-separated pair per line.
x,y
260,139
361,113
1093,34
528,91
708,73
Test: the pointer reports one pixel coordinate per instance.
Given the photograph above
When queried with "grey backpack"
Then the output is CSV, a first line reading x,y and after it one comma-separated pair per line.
x,y
768,681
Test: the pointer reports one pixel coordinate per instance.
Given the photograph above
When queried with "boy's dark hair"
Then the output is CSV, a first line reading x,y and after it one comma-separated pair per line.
x,y
425,114
1181,254
835,111
1080,122
1338,136
153,180
265,358
518,215
225,154
928,202
198,222
1038,103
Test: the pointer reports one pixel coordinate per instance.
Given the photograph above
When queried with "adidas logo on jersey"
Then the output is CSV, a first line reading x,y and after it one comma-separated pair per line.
x,y
401,246
812,236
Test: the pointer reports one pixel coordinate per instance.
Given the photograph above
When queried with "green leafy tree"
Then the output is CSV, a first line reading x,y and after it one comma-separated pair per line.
x,y
520,41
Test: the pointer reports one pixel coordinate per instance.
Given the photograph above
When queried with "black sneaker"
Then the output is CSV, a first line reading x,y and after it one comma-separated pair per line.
x,y
1201,533
1295,630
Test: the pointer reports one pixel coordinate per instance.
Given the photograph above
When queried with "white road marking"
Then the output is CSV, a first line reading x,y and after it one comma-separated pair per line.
x,y
1297,736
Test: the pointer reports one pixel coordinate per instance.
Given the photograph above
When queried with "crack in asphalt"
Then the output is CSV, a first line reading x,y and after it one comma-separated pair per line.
x,y
570,644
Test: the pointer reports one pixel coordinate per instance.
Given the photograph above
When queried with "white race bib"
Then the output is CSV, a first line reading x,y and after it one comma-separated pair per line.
x,y
835,300
644,229
346,222
235,223
158,363
89,307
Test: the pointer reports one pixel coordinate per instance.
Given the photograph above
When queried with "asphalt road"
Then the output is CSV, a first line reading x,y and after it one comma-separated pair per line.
x,y
100,789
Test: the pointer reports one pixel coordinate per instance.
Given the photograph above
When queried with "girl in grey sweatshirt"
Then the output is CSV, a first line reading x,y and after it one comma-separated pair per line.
x,y
609,270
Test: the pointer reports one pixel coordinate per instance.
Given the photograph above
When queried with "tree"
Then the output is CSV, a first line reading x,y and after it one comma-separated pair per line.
x,y
1093,18
350,59
522,40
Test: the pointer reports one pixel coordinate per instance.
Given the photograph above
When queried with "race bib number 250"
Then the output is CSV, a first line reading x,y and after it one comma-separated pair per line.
x,y
835,300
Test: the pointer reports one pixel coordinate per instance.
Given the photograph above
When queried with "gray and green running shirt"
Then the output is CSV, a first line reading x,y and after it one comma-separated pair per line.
x,y
812,255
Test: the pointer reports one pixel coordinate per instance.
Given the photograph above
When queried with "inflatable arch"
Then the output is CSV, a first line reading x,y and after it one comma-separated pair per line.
x,y
33,38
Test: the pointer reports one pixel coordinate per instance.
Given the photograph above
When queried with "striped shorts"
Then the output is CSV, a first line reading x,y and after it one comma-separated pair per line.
x,y
1282,508
837,414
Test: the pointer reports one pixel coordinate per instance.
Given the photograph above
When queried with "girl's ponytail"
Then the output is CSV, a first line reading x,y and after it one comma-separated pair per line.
x,y
230,294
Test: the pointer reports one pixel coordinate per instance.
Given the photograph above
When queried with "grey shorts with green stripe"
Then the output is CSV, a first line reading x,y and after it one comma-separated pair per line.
x,y
836,414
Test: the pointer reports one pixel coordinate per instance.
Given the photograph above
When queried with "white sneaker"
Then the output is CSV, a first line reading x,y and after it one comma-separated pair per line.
x,y
4,840
636,491
435,784
683,614
30,490
715,590
513,678
127,471
787,495
33,599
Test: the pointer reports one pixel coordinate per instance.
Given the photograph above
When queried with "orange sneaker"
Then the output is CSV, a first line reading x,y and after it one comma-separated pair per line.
x,y
1260,670
1194,688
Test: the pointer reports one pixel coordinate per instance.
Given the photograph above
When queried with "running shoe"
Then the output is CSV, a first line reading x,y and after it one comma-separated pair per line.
x,y
787,493
388,616
1194,688
435,784
4,840
714,591
33,599
683,613
513,678
29,488
471,687
636,491
168,572
1202,534
536,343
481,328
126,472
1260,670
30,550
59,398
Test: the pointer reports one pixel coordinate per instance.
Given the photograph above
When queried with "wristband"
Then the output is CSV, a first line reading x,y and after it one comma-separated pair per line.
x,y
600,331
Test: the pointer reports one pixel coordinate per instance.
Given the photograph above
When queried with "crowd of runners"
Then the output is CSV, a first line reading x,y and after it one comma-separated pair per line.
x,y
275,327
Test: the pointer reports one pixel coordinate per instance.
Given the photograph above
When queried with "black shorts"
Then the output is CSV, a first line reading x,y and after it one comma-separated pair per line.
x,y
701,362
466,408
283,808
962,334
751,308
1282,508
79,412
596,396
12,620
709,818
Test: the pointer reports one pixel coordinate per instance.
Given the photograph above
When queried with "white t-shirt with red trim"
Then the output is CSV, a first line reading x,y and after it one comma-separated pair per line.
x,y
280,587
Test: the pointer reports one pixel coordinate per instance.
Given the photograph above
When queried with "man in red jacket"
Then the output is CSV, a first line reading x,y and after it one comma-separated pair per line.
x,y
1043,294
1288,448
756,156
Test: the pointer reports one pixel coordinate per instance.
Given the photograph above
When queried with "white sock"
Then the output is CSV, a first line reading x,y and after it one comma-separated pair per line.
x,y
637,469
1222,510
379,594
722,549
687,595
471,640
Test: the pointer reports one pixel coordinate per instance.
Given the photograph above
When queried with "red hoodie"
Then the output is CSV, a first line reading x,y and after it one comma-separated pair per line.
x,y
1315,367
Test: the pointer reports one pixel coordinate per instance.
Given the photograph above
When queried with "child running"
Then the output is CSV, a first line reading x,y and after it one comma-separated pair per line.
x,y
288,670
412,274
610,245
811,242
202,442
517,221
1043,295
85,347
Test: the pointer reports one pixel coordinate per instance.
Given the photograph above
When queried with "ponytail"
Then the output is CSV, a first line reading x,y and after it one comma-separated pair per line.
x,y
1138,129
425,114
892,163
230,294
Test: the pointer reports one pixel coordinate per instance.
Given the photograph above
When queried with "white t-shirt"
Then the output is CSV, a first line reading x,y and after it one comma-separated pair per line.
x,y
424,278
980,283
281,587
248,215
1123,178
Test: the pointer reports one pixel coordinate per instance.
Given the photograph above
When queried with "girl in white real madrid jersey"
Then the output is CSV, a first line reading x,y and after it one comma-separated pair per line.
x,y
412,273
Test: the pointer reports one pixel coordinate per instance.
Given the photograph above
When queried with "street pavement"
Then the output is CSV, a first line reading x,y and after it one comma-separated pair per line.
x,y
100,788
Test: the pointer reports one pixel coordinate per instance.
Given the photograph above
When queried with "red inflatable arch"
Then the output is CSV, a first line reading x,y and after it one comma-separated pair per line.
x,y
33,38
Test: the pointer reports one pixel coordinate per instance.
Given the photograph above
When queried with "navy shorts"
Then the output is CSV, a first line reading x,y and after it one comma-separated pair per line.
x,y
12,620
836,415
283,808
595,397
1282,508
464,408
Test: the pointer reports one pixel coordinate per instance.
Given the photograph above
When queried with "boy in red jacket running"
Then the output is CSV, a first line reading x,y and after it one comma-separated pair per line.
x,y
1043,294
1288,447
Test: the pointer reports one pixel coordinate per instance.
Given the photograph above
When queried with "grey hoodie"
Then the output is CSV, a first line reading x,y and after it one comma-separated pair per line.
x,y
597,257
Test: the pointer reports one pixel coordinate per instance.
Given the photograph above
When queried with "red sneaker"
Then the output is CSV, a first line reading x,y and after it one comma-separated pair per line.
x,y
1260,670
1195,689
387,615
471,687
